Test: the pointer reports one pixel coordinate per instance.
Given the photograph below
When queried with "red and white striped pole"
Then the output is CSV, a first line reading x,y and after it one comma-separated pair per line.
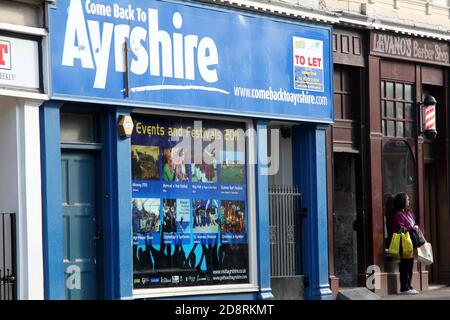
x,y
429,117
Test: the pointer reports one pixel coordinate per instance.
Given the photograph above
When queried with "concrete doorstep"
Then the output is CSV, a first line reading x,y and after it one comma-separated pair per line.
x,y
358,293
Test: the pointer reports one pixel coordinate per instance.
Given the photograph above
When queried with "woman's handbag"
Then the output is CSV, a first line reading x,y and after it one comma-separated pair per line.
x,y
407,246
394,247
425,254
417,238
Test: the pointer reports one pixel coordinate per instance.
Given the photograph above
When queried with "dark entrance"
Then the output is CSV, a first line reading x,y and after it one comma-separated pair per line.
x,y
286,260
8,256
345,235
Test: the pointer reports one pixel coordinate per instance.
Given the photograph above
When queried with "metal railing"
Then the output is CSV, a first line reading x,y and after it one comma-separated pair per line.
x,y
285,231
7,256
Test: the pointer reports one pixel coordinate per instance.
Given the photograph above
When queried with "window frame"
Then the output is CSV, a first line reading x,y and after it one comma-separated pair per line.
x,y
384,100
251,152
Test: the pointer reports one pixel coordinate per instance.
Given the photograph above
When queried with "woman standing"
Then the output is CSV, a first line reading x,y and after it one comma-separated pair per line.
x,y
404,219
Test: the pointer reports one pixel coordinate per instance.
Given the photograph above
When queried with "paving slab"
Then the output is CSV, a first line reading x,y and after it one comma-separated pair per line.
x,y
436,293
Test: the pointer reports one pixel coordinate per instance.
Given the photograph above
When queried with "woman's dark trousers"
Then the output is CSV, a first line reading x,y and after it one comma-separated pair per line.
x,y
406,272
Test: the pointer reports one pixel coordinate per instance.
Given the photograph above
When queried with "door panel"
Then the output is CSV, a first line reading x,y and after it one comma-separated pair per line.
x,y
430,223
79,218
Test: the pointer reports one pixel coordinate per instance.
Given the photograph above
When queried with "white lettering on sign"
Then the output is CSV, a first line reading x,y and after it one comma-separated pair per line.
x,y
169,55
407,47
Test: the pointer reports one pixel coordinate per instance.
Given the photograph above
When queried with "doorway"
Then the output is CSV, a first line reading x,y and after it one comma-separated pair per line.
x,y
80,224
430,226
286,254
345,220
81,150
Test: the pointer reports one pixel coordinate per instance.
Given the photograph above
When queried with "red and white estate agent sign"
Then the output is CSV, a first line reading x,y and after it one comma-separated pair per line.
x,y
19,63
308,64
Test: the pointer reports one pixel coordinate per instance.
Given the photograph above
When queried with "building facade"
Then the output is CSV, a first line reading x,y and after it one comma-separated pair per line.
x,y
22,91
388,57
167,132
199,165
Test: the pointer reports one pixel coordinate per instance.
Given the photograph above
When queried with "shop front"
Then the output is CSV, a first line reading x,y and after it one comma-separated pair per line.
x,y
403,72
159,120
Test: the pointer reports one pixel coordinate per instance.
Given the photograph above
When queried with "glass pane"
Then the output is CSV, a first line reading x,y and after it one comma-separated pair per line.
x,y
337,80
409,130
382,89
390,90
337,106
398,176
391,128
399,110
399,91
383,127
400,130
77,127
408,92
346,106
383,108
390,109
409,111
346,81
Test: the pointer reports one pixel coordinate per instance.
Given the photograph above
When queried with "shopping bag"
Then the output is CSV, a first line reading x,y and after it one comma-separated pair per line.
x,y
417,238
407,246
394,247
425,254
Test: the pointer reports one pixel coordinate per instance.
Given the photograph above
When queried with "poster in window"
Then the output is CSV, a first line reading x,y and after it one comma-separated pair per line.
x,y
189,207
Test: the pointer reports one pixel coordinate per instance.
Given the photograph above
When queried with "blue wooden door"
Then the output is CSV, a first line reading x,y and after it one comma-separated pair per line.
x,y
80,227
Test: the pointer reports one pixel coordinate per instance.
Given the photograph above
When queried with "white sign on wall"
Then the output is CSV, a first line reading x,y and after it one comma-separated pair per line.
x,y
19,63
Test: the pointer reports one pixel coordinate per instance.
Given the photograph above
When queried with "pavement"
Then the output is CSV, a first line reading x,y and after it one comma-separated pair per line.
x,y
437,292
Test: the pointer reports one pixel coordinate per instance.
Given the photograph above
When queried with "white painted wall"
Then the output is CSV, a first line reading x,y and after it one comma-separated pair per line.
x,y
20,188
30,205
8,171
8,156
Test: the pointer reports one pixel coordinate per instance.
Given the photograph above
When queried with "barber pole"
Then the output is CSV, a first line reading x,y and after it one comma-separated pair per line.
x,y
430,117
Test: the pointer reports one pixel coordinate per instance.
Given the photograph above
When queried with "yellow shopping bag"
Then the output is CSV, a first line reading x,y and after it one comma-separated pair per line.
x,y
394,247
407,246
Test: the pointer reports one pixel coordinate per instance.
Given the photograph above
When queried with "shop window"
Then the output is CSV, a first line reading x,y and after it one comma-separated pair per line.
x,y
190,212
399,175
397,108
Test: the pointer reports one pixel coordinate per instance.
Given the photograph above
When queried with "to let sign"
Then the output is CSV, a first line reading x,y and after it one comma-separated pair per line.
x,y
409,48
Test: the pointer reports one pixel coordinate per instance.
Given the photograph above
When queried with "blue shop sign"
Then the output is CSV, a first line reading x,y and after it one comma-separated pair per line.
x,y
186,56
